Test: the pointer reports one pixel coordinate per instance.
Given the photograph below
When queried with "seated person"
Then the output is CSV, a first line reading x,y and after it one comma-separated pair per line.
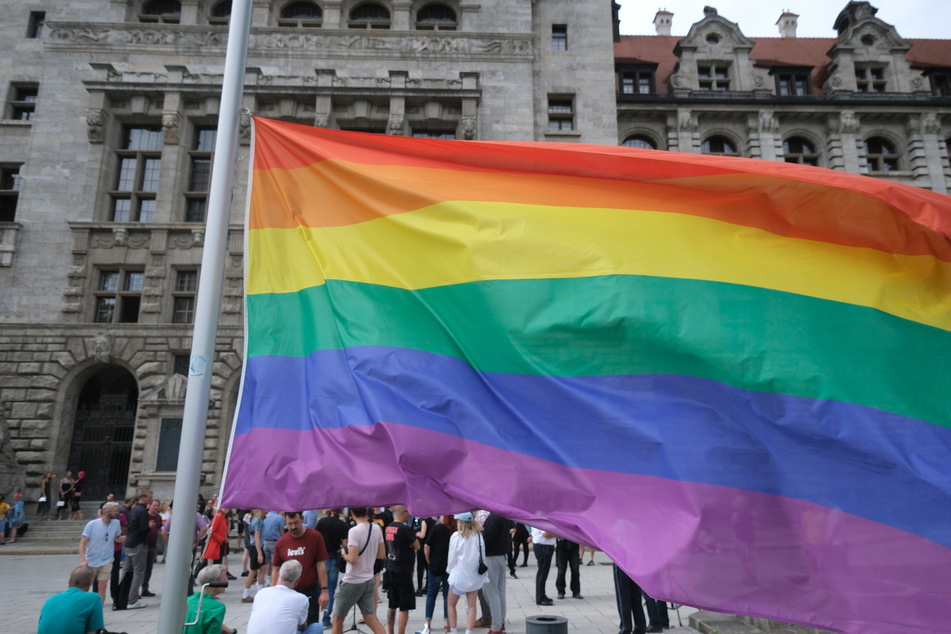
x,y
280,609
211,618
74,611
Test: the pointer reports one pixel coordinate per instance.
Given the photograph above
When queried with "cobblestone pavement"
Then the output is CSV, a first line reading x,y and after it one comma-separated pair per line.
x,y
26,581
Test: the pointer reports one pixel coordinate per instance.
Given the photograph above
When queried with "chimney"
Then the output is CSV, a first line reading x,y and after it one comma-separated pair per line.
x,y
662,21
787,24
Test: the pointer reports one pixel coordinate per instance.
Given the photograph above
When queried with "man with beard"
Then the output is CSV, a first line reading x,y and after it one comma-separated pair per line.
x,y
306,546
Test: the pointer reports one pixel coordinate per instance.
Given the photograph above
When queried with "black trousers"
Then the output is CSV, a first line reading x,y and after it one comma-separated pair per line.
x,y
565,559
543,555
656,612
628,595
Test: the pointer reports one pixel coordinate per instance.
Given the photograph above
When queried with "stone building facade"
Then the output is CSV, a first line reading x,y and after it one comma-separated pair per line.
x,y
107,138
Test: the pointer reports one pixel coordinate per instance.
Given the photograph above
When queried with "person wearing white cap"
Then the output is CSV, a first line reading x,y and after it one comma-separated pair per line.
x,y
467,572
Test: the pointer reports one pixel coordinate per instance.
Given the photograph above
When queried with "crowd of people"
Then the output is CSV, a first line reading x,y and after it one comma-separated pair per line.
x,y
310,573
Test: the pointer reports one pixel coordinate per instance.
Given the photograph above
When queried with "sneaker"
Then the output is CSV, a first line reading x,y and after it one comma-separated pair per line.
x,y
244,574
231,577
561,595
577,596
425,630
248,599
146,593
138,605
591,563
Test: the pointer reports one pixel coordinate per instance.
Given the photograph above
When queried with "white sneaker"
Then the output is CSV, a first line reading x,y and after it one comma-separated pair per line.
x,y
137,605
425,630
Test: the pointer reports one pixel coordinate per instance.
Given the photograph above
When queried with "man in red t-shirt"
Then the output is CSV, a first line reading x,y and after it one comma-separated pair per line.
x,y
306,546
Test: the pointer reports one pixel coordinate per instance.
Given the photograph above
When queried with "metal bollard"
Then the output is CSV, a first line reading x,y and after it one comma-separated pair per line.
x,y
546,624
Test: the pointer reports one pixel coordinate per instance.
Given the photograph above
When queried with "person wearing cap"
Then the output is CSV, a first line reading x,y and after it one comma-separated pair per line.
x,y
466,548
16,516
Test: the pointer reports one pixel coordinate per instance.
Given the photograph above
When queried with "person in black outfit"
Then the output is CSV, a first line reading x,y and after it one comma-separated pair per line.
x,y
519,539
136,549
568,555
497,534
422,526
334,531
658,619
628,595
401,547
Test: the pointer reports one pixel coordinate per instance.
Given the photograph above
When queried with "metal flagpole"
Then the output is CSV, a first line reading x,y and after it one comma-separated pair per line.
x,y
182,529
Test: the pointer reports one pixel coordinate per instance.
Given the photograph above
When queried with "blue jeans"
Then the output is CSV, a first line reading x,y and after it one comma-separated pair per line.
x,y
436,583
332,574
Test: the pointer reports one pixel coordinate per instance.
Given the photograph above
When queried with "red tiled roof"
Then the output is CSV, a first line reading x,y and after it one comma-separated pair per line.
x,y
769,52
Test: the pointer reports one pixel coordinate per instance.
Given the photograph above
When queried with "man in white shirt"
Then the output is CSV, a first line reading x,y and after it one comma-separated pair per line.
x,y
543,543
97,546
280,609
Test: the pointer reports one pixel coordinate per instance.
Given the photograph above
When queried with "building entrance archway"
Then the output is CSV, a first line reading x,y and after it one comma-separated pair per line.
x,y
103,432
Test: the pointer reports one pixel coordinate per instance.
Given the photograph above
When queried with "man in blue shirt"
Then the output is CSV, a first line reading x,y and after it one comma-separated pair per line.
x,y
97,545
74,611
273,529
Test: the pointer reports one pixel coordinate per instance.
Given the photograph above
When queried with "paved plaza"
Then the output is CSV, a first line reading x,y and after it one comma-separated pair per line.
x,y
26,581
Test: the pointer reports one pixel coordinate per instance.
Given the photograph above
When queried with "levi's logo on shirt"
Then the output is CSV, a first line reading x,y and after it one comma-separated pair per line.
x,y
296,552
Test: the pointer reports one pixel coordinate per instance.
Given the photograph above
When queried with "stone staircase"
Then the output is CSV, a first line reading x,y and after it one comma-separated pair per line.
x,y
52,537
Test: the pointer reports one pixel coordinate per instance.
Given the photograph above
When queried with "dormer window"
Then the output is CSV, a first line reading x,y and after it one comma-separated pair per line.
x,y
792,83
635,80
941,84
870,78
714,77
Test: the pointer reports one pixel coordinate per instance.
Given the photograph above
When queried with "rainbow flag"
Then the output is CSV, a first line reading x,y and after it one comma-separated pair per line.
x,y
733,376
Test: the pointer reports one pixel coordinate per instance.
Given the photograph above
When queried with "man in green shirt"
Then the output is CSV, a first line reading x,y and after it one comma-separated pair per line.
x,y
211,618
74,611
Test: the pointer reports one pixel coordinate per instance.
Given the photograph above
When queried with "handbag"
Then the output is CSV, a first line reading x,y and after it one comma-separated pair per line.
x,y
60,504
341,562
482,567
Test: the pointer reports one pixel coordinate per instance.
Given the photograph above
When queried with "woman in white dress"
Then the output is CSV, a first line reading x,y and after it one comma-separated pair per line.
x,y
466,549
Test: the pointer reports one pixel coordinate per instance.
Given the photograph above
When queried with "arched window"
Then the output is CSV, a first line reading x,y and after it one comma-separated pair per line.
x,y
220,13
302,15
436,16
369,15
881,155
797,149
719,145
166,11
639,141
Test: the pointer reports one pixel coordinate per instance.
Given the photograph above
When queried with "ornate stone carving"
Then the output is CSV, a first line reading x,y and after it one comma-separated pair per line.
x,y
468,128
170,126
95,120
101,346
175,387
767,123
395,125
848,122
930,123
321,120
686,121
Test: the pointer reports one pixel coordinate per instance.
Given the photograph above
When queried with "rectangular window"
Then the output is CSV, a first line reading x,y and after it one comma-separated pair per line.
x,y
37,22
118,296
561,114
713,77
199,176
870,78
180,363
559,37
636,82
792,84
23,102
183,299
170,439
941,84
9,192
137,175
